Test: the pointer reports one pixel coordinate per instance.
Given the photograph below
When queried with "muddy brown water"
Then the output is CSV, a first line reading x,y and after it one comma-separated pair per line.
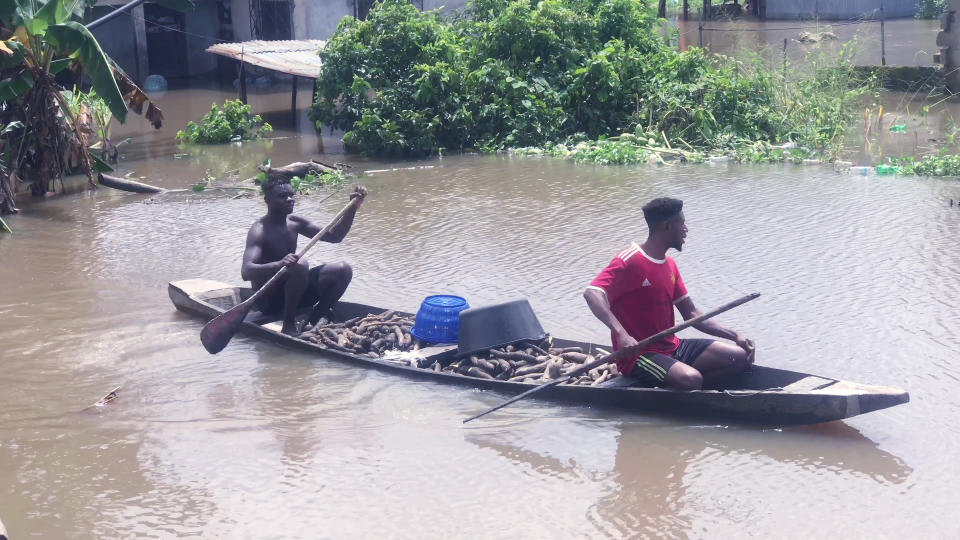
x,y
859,277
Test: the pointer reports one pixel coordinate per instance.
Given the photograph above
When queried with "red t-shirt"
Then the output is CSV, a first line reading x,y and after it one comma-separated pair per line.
x,y
642,292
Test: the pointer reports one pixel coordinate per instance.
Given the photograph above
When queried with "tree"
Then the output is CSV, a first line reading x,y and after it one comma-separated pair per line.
x,y
39,39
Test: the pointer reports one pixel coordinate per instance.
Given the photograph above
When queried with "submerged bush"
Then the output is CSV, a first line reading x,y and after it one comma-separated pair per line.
x,y
521,73
940,164
229,123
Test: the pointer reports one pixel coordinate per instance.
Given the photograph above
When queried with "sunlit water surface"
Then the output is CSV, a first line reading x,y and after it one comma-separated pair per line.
x,y
859,279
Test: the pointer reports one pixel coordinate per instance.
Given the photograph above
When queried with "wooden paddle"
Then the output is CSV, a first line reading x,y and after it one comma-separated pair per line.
x,y
627,351
218,332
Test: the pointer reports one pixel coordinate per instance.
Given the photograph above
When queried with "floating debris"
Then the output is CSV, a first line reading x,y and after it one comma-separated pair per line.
x,y
816,37
110,396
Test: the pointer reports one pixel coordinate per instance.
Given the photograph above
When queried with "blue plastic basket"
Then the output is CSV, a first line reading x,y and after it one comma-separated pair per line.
x,y
438,320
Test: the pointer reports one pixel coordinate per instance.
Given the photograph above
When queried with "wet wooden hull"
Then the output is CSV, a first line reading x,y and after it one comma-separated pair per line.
x,y
766,395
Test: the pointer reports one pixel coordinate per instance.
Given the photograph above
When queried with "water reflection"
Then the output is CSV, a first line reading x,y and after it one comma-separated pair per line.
x,y
656,469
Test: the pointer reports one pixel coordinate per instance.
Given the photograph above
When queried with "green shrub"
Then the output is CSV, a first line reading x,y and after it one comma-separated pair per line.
x,y
930,9
521,73
229,123
940,164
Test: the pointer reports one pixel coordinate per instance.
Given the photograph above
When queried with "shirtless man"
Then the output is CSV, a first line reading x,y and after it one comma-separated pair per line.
x,y
635,295
272,244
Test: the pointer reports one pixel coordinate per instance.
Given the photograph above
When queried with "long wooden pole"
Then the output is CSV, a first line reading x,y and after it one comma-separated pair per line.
x,y
626,351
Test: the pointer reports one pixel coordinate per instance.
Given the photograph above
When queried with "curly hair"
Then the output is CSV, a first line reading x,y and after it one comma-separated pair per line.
x,y
661,209
273,182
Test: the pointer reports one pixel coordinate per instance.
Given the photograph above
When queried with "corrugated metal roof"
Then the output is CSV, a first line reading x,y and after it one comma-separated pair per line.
x,y
294,57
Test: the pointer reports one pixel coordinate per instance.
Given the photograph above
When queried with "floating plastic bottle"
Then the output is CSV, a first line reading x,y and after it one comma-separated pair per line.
x,y
862,171
887,169
898,128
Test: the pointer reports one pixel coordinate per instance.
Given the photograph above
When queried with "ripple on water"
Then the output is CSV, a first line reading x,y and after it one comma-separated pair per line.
x,y
857,277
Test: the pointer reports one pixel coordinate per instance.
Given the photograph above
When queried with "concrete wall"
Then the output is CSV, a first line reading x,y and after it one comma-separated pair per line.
x,y
838,9
312,19
240,10
116,38
202,22
318,19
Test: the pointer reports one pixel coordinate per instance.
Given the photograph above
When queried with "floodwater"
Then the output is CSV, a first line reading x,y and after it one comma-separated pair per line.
x,y
907,42
859,277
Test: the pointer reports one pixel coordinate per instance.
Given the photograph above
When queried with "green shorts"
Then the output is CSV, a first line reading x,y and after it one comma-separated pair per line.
x,y
651,368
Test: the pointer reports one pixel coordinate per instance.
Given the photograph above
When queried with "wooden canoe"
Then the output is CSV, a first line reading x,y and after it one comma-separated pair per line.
x,y
766,395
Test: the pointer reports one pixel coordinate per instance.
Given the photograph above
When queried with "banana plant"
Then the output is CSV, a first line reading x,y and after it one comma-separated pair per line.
x,y
38,39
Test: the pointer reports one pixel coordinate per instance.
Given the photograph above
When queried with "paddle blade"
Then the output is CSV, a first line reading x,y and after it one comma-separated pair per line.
x,y
218,332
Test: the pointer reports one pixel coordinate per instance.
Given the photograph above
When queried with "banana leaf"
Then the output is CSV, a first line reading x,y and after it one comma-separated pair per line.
x,y
13,87
72,38
136,98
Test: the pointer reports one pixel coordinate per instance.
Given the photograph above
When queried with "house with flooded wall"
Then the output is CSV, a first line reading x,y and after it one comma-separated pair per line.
x,y
151,39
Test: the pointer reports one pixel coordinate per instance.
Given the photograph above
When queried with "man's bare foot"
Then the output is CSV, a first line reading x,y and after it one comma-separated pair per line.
x,y
320,317
290,329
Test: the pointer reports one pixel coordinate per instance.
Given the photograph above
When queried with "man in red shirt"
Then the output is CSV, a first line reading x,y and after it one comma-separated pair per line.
x,y
635,295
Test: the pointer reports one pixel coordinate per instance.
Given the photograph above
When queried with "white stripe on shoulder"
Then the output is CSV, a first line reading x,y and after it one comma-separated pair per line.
x,y
627,253
681,299
594,287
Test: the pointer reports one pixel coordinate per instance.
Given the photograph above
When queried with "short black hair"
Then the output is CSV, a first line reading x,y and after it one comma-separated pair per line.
x,y
273,182
661,209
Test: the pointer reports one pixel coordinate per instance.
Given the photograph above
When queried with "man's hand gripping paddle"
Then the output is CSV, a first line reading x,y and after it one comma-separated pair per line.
x,y
218,332
627,351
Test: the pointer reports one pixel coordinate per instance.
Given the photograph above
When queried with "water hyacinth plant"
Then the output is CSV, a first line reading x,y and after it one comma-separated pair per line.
x,y
231,122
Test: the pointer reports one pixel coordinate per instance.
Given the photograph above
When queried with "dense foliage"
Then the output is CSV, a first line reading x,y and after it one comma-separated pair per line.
x,y
930,9
230,122
519,73
940,164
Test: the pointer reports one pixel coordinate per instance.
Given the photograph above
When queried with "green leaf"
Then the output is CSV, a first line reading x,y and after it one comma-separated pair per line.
x,y
15,86
55,12
57,66
8,8
99,165
11,126
14,60
73,38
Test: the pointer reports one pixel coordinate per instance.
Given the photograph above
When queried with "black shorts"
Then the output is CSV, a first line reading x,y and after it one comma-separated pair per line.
x,y
273,300
651,368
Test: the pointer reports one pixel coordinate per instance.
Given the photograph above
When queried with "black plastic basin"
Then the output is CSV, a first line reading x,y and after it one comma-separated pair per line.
x,y
485,327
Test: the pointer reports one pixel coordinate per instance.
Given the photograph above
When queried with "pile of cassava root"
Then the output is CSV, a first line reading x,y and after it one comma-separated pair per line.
x,y
370,335
532,363
387,336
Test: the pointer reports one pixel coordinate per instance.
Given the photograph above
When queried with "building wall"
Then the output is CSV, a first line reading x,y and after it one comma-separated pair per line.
x,y
312,19
203,29
240,9
318,19
116,38
838,9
